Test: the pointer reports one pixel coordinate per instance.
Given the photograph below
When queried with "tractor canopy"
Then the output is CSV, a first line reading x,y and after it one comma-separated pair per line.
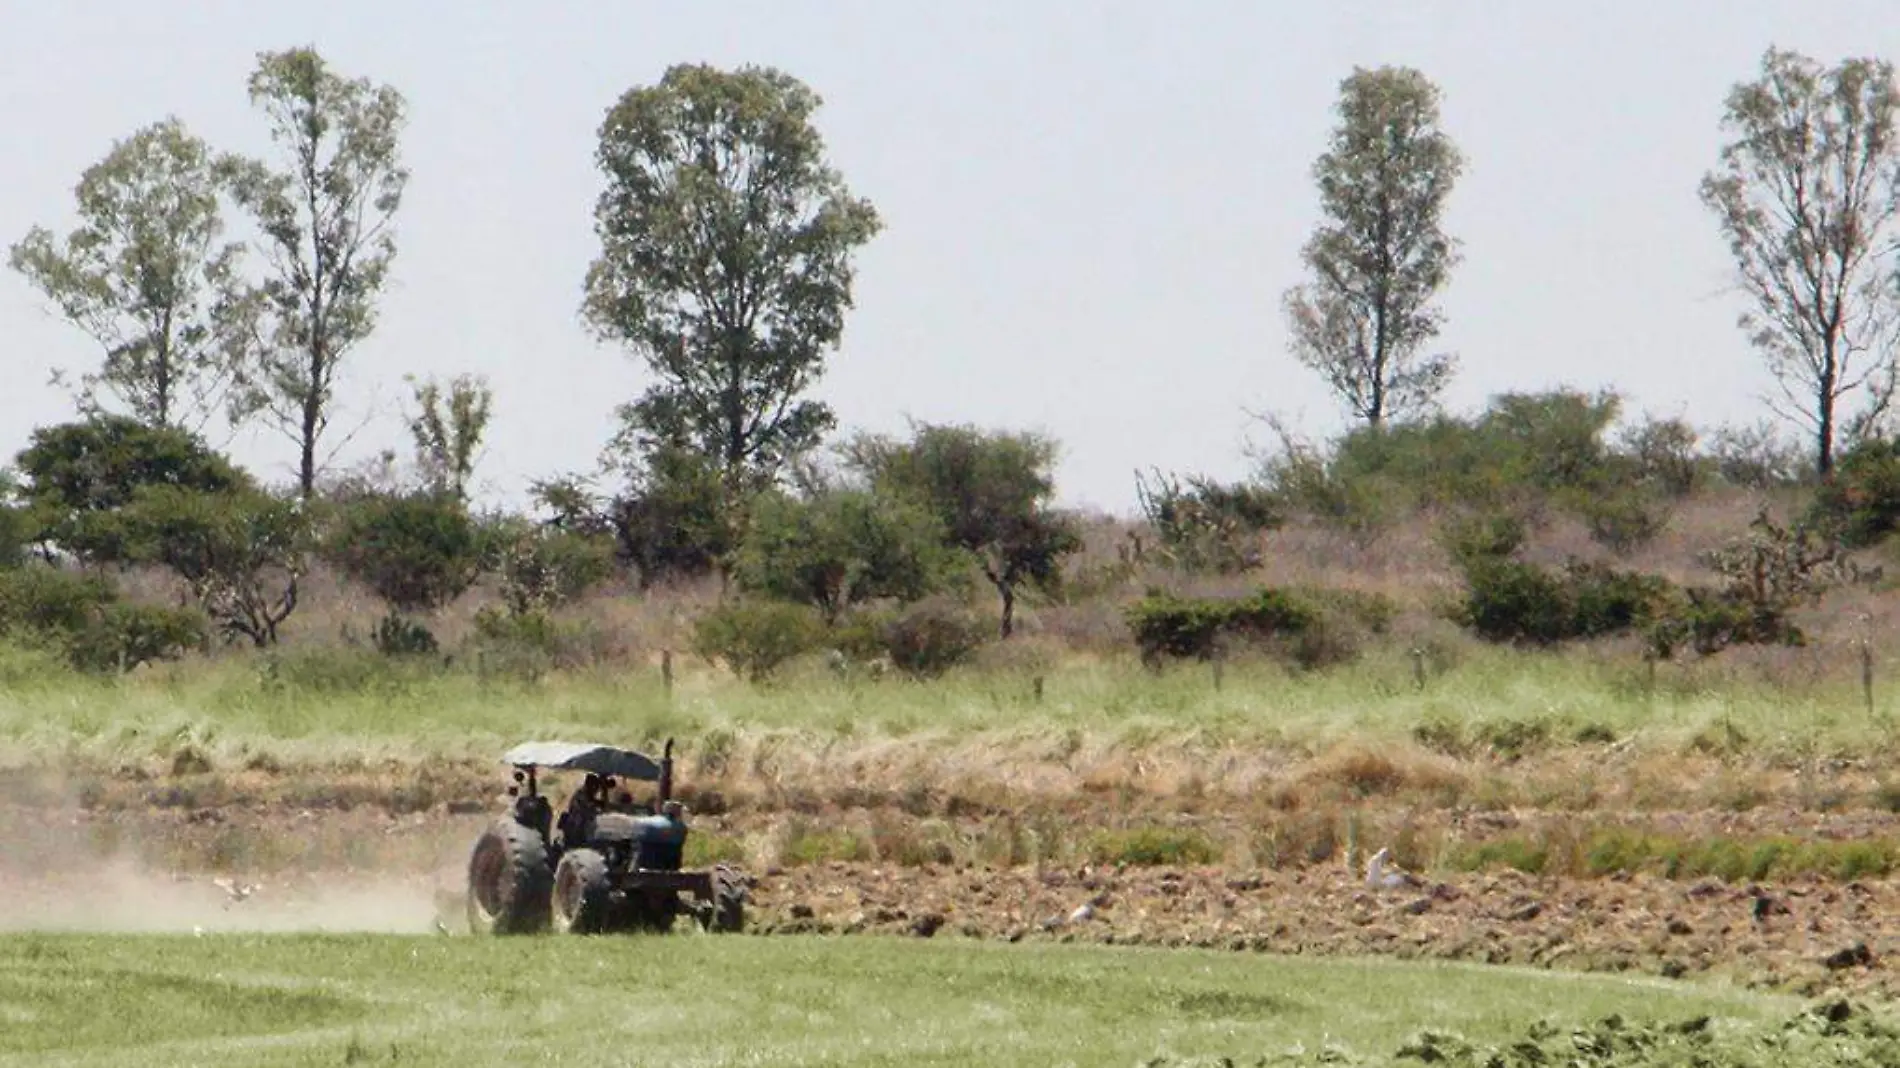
x,y
596,759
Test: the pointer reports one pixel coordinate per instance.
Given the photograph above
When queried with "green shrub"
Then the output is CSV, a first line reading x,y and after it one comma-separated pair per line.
x,y
1523,449
674,521
82,618
1166,625
1663,454
755,638
841,548
540,568
418,551
1709,621
1861,498
1310,628
528,645
1480,536
927,640
1514,601
38,600
125,636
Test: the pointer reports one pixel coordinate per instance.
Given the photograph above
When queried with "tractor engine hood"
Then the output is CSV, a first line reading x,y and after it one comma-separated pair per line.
x,y
621,827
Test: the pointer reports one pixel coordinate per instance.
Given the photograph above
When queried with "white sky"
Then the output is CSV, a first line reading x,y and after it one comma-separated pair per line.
x,y
1092,208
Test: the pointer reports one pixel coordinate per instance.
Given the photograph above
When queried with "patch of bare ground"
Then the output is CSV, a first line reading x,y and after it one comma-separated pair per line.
x,y
1805,937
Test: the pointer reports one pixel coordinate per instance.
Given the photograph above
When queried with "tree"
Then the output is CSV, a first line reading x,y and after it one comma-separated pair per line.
x,y
240,552
448,431
840,548
80,477
992,494
146,275
326,220
1380,255
1806,193
726,247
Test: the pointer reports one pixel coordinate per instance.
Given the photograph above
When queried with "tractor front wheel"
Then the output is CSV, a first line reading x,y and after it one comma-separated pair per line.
x,y
508,881
581,892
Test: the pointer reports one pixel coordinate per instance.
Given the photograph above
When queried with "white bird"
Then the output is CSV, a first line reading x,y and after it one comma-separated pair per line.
x,y
1379,877
236,891
1082,913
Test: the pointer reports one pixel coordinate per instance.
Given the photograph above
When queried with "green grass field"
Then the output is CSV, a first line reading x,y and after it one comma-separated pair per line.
x,y
689,1000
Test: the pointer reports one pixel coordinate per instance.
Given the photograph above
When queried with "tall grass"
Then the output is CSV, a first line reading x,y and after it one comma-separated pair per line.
x,y
327,703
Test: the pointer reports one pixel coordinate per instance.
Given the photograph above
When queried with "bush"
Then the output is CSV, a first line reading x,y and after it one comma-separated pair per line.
x,y
1169,626
15,532
1311,628
1663,453
541,568
1487,535
418,552
927,640
1861,499
755,638
124,636
841,548
1514,601
1709,621
38,600
82,618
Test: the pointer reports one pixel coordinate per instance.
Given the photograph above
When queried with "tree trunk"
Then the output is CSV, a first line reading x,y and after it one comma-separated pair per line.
x,y
1824,434
307,447
1008,590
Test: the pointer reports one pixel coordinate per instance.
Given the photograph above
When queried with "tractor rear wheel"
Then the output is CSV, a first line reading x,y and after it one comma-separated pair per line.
x,y
508,881
581,892
728,911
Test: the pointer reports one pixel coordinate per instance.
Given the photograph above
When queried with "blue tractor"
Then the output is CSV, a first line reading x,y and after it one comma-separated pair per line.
x,y
606,862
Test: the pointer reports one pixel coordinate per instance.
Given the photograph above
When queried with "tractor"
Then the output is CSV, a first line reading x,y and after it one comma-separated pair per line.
x,y
605,863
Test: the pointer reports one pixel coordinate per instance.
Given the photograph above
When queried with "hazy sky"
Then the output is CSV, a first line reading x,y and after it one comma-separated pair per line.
x,y
1092,209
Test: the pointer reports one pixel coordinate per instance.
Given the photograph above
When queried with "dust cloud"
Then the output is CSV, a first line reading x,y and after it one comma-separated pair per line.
x,y
118,896
56,874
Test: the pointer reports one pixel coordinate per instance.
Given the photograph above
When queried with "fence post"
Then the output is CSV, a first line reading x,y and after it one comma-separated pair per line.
x,y
666,671
1867,674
